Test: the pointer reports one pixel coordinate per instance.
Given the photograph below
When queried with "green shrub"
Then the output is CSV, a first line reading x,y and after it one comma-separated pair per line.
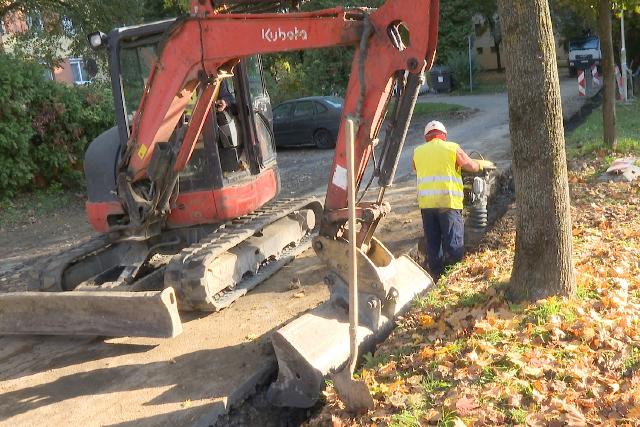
x,y
18,90
45,126
459,65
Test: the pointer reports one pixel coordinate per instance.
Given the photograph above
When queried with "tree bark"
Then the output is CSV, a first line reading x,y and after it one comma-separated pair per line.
x,y
608,74
543,263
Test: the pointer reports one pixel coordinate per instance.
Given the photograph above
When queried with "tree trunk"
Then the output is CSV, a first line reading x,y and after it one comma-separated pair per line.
x,y
608,74
498,58
543,264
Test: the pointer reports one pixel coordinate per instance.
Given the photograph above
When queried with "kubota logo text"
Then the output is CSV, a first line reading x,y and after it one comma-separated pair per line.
x,y
272,35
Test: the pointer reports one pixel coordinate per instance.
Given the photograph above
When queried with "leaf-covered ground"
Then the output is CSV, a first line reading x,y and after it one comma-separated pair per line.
x,y
465,356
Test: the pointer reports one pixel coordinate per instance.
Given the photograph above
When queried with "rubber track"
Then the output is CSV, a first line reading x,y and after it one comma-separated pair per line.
x,y
186,270
225,298
51,274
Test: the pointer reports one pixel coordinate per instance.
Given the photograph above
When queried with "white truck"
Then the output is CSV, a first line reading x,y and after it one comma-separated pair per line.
x,y
583,53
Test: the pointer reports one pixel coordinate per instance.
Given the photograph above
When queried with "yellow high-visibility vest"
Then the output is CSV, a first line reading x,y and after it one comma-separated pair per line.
x,y
439,179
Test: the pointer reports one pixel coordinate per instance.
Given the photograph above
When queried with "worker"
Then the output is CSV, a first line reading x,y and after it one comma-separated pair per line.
x,y
438,164
226,100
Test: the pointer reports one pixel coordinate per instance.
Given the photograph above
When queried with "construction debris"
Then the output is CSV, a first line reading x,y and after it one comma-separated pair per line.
x,y
625,169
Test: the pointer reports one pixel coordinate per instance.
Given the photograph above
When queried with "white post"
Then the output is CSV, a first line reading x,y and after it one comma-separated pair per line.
x,y
470,66
623,60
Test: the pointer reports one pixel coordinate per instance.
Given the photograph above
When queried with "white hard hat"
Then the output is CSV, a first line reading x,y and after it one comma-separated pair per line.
x,y
434,125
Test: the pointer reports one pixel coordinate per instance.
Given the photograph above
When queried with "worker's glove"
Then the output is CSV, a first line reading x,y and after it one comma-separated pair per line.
x,y
486,165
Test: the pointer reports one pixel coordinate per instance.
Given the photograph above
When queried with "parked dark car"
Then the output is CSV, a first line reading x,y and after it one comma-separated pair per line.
x,y
308,121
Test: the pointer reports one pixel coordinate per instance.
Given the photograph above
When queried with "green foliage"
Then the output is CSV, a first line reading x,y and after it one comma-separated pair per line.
x,y
454,27
587,138
61,27
407,418
307,73
632,362
542,313
18,90
45,126
459,65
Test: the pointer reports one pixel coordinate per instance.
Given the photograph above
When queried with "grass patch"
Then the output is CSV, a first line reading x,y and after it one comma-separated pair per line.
x,y
422,109
584,293
407,418
488,375
470,299
433,300
448,418
431,384
34,205
540,314
587,139
482,89
632,362
517,416
373,361
493,337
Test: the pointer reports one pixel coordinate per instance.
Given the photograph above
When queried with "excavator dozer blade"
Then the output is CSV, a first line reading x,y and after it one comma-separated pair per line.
x,y
99,313
317,343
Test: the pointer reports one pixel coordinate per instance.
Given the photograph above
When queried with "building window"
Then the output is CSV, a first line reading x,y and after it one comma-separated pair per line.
x,y
34,22
80,75
479,30
67,24
479,50
48,74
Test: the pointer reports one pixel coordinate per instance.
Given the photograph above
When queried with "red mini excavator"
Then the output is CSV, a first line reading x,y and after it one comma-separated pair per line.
x,y
185,193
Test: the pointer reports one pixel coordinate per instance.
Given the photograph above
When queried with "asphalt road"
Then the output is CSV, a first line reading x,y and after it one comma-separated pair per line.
x,y
486,131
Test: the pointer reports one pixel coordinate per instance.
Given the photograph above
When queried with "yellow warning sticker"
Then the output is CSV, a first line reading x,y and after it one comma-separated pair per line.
x,y
142,151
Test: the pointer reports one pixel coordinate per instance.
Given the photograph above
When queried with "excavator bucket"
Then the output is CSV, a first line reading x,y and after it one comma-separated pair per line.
x,y
317,343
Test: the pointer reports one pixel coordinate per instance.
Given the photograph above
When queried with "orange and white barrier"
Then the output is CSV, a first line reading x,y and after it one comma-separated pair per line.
x,y
582,83
596,76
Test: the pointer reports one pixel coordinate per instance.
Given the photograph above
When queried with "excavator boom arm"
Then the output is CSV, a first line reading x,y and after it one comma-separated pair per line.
x,y
204,44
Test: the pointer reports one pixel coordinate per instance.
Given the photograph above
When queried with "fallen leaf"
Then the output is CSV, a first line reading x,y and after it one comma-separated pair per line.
x,y
574,417
398,400
465,406
426,321
458,423
634,413
533,372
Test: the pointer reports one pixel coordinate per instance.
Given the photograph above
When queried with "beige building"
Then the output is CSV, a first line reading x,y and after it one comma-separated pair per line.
x,y
487,53
70,71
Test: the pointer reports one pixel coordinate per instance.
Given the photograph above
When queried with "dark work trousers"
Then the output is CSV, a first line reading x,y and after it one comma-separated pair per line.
x,y
444,232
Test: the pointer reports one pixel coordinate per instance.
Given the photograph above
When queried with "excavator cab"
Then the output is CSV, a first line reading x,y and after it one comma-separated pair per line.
x,y
234,150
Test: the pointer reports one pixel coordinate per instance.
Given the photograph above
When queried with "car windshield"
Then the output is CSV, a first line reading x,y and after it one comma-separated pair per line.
x,y
585,44
136,61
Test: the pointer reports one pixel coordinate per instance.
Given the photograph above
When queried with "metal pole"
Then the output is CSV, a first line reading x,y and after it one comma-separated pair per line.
x,y
353,253
470,66
623,59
